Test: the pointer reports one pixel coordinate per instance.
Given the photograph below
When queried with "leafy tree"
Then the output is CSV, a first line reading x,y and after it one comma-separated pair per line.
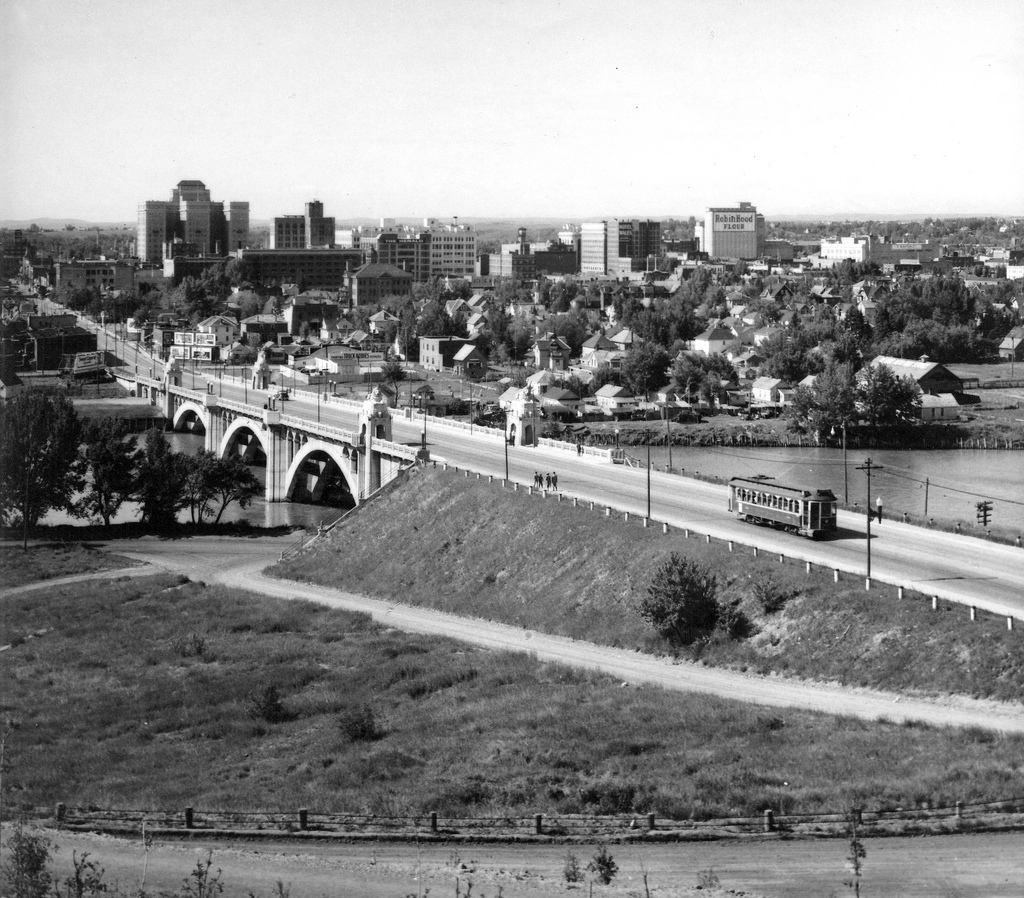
x,y
40,465
111,460
681,601
163,476
829,404
645,368
215,483
392,371
603,865
884,399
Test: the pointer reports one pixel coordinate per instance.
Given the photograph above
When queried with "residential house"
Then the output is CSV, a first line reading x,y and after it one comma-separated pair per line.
x,y
379,321
939,407
469,361
715,340
1012,345
551,352
768,391
265,327
613,400
224,329
438,353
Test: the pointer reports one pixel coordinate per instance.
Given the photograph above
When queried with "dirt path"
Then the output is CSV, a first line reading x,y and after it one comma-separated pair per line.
x,y
968,866
240,564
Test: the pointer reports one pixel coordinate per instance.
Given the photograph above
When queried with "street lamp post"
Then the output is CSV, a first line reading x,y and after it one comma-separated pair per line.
x,y
868,467
846,472
506,456
423,434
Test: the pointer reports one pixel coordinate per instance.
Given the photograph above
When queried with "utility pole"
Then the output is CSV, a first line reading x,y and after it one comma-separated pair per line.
x,y
868,467
648,435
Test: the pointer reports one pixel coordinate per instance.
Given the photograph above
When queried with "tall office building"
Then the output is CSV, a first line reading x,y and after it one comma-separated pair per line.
x,y
433,249
733,232
307,231
594,247
631,243
209,228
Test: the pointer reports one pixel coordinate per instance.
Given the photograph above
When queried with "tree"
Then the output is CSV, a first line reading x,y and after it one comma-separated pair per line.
x,y
111,461
233,481
681,601
40,466
162,480
645,368
884,399
828,405
391,371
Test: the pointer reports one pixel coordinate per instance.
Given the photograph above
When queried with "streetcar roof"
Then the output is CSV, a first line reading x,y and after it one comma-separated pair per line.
x,y
766,486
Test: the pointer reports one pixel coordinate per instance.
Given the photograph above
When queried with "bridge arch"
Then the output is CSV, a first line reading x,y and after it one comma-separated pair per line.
x,y
248,431
310,474
188,413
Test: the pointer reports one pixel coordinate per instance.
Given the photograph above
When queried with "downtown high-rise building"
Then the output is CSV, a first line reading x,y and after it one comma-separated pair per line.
x,y
203,227
308,231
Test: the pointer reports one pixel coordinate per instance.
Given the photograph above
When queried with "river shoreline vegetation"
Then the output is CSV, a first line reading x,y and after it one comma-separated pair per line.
x,y
50,459
224,700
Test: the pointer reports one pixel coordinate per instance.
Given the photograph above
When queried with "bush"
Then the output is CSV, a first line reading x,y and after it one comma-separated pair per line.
x,y
734,622
681,601
572,871
768,593
603,866
360,723
190,645
25,872
265,704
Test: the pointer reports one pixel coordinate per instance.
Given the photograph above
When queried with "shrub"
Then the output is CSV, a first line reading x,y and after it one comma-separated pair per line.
x,y
768,593
572,871
681,601
265,704
603,866
25,872
734,622
360,723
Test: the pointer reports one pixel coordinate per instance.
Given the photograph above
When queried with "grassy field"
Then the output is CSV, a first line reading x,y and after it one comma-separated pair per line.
x,y
19,567
153,693
471,548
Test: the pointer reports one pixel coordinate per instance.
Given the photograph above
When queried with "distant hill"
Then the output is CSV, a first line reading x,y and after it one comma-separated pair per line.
x,y
58,224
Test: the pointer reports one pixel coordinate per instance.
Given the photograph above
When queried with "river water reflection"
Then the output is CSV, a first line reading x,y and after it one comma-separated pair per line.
x,y
957,479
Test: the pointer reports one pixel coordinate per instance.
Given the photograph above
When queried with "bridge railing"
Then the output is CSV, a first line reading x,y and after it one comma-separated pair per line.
x,y
401,450
324,430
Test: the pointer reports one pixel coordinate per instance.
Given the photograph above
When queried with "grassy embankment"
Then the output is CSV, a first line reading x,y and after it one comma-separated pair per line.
x,y
137,694
471,548
19,567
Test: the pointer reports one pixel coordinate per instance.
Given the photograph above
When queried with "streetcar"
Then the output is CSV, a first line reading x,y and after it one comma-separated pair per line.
x,y
810,513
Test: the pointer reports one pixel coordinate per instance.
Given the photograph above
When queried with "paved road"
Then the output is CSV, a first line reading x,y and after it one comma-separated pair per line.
x,y
960,569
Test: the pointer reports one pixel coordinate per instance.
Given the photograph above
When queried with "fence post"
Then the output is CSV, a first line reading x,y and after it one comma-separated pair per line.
x,y
782,558
730,545
575,501
625,517
708,538
755,551
303,818
538,824
650,822
935,603
188,818
686,533
60,811
607,511
808,567
899,592
974,613
647,522
858,816
664,527
835,575
959,812
433,821
867,583
769,820
1009,623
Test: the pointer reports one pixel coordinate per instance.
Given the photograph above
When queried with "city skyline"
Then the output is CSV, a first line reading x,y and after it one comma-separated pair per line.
x,y
515,110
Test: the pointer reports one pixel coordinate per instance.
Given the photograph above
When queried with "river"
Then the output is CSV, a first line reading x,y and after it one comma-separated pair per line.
x,y
955,480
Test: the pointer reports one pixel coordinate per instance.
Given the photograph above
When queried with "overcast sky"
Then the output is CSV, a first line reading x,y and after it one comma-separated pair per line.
x,y
560,108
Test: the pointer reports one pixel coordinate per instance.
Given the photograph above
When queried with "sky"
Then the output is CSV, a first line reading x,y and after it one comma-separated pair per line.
x,y
568,109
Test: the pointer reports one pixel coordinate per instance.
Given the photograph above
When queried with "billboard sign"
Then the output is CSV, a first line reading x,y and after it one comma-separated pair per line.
x,y
203,353
205,339
734,221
